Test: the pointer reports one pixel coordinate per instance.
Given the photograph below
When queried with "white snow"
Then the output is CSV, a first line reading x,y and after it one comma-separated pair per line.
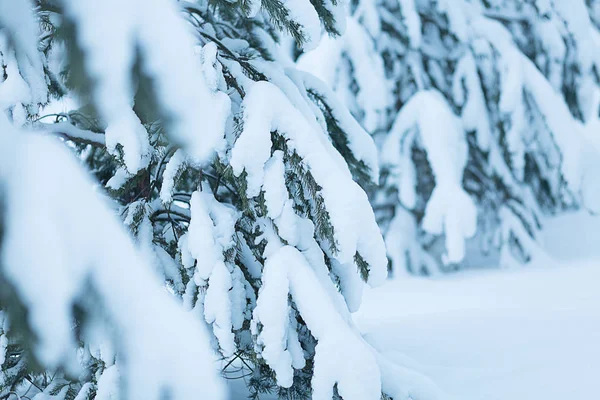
x,y
17,19
516,334
474,112
217,307
412,22
507,334
118,179
358,48
457,20
521,74
272,312
359,141
450,210
173,167
15,93
80,246
210,233
403,247
303,13
355,371
185,96
267,109
108,384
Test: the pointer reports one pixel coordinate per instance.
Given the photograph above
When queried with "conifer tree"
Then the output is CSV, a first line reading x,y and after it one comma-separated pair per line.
x,y
236,176
492,121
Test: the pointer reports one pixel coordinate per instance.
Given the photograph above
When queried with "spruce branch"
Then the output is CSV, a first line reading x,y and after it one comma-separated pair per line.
x,y
70,132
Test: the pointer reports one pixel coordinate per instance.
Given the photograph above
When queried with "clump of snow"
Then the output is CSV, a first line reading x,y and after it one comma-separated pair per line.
x,y
403,248
520,74
373,96
211,232
412,22
359,141
304,14
467,92
185,96
267,109
73,230
272,313
450,210
173,166
17,20
14,91
108,384
355,371
118,179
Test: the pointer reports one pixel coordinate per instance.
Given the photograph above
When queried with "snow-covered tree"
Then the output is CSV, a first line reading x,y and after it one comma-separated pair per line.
x,y
236,177
491,120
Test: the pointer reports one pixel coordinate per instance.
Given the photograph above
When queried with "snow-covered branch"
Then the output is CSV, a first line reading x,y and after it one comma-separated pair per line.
x,y
70,132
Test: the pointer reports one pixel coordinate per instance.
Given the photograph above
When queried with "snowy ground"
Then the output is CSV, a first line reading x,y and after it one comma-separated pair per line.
x,y
526,334
523,334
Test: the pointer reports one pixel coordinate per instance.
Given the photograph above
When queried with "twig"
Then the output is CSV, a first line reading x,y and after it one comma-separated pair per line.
x,y
28,379
71,132
158,213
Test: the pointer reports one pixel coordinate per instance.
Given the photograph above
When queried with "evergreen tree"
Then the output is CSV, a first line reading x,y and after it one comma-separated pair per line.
x,y
235,174
492,121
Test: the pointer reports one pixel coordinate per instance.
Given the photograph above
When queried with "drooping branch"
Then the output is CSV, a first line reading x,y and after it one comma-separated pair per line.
x,y
71,132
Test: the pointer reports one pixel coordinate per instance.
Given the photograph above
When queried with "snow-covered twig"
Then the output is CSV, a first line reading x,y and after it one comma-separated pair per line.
x,y
71,132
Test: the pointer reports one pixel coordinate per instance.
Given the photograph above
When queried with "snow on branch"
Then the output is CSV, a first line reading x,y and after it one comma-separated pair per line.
x,y
197,114
359,142
77,244
521,75
68,131
357,46
449,210
266,109
20,46
210,234
341,355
